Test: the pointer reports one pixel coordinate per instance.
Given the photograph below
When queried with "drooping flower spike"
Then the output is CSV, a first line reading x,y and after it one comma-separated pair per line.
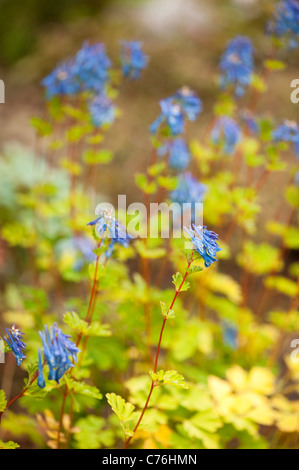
x,y
59,354
87,71
91,66
133,59
227,132
288,132
107,226
15,343
237,65
184,104
205,243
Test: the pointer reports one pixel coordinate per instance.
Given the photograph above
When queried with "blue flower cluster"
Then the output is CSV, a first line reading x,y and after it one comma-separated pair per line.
x,y
133,59
285,22
205,243
107,226
88,72
59,354
179,155
288,132
184,104
226,132
237,65
175,110
15,343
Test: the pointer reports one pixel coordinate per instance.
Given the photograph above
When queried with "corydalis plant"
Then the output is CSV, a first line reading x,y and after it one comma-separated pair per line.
x,y
59,352
109,228
237,65
16,343
204,244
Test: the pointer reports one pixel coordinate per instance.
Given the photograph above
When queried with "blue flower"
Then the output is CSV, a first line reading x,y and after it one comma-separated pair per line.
x,y
133,59
179,155
285,22
230,335
102,110
189,102
40,378
107,226
171,115
62,81
188,190
288,132
91,65
227,132
59,353
205,243
175,109
15,343
237,65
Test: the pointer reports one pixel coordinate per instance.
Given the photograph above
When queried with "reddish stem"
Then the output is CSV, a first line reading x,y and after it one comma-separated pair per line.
x,y
157,356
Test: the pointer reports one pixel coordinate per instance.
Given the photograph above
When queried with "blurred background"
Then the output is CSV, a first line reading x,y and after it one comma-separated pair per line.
x,y
184,39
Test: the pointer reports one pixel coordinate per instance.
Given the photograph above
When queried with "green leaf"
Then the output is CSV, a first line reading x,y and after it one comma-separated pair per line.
x,y
258,83
274,64
92,434
94,157
124,411
255,160
3,401
291,238
210,441
98,329
170,377
8,445
42,127
73,320
82,388
167,182
260,259
283,285
166,312
177,281
142,183
75,133
194,269
156,169
292,195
